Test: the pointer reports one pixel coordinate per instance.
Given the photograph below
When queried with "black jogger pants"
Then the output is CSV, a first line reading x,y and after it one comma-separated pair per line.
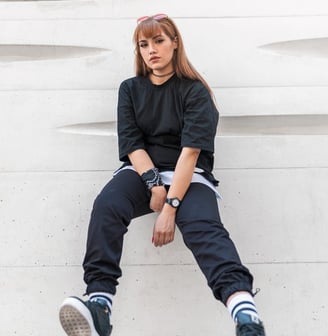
x,y
125,197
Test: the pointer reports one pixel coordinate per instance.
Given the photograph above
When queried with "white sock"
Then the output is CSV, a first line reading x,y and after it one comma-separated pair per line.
x,y
242,302
107,297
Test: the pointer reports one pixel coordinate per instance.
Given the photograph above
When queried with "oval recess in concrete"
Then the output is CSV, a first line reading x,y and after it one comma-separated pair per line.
x,y
311,47
106,128
274,125
35,52
231,126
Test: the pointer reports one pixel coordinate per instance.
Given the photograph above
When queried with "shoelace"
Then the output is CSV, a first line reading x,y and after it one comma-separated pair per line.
x,y
251,330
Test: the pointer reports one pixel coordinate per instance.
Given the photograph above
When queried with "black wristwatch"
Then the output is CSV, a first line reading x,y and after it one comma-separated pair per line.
x,y
174,202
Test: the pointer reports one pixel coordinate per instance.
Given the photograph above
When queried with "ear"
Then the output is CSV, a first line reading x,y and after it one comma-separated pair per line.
x,y
175,41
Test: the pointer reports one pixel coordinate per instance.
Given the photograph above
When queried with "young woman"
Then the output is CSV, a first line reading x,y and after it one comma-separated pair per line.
x,y
167,122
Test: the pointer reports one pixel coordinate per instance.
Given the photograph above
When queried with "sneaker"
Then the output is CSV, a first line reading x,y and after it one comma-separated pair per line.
x,y
248,325
90,318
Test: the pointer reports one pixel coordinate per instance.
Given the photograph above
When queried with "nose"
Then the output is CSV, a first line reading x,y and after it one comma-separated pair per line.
x,y
152,48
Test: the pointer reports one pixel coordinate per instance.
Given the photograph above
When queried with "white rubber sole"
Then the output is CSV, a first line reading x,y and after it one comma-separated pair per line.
x,y
76,318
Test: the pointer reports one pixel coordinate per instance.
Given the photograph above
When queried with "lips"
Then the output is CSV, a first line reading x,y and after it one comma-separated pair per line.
x,y
154,59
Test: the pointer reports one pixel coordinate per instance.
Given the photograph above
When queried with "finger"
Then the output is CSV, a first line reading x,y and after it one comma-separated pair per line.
x,y
166,239
160,240
156,240
169,240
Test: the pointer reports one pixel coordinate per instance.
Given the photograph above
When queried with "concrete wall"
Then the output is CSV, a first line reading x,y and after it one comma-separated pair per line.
x,y
60,65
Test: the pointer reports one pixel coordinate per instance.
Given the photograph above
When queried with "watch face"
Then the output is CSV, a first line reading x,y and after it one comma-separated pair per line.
x,y
175,202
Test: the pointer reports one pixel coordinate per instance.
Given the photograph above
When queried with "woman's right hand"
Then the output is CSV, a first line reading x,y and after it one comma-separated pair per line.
x,y
158,197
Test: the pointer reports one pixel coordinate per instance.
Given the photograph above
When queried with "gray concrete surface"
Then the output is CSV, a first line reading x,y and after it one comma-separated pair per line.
x,y
60,66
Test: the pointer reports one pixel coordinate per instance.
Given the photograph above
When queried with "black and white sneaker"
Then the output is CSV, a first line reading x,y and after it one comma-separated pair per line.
x,y
248,325
89,318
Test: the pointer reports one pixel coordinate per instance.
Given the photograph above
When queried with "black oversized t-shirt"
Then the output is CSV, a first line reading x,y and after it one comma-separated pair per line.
x,y
162,119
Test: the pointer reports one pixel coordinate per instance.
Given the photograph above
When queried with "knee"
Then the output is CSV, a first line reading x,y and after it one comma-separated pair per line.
x,y
109,216
101,203
109,204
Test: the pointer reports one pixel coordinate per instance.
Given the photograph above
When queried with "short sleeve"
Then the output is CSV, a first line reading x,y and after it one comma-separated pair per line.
x,y
130,137
200,119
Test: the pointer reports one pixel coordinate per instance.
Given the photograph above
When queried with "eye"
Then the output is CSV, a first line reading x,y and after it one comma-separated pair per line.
x,y
159,41
143,44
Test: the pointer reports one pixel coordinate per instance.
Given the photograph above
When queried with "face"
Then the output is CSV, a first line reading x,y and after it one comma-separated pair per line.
x,y
157,52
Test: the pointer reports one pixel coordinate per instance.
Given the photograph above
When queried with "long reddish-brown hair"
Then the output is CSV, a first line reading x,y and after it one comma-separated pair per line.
x,y
182,66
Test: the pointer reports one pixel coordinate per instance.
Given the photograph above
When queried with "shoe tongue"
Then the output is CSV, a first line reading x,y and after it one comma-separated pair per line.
x,y
243,318
100,301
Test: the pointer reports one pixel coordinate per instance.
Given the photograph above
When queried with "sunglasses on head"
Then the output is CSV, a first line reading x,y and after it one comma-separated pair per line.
x,y
156,17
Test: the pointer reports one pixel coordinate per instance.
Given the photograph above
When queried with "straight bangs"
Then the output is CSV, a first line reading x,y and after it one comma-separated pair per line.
x,y
147,29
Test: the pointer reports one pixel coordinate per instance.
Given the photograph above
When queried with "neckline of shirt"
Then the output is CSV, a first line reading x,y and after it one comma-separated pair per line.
x,y
160,85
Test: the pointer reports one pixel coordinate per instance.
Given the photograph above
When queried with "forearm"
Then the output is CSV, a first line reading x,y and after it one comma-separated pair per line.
x,y
183,173
164,227
141,161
